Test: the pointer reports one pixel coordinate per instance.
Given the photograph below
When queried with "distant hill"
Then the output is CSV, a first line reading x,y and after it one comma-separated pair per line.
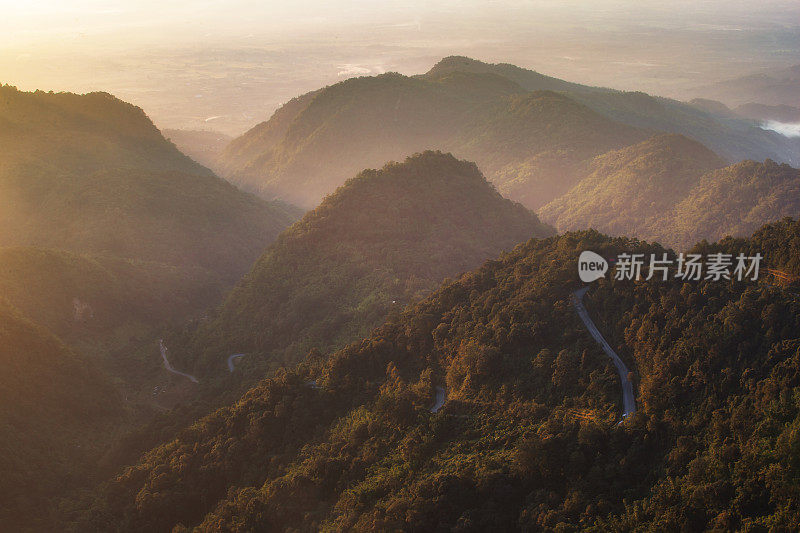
x,y
500,116
529,437
675,191
736,200
315,142
772,87
56,415
529,79
733,139
386,237
90,173
203,146
760,113
714,107
629,191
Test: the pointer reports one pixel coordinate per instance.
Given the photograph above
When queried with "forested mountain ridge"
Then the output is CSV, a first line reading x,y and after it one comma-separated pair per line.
x,y
733,140
108,235
675,191
472,109
737,199
384,238
528,438
72,132
363,122
628,191
56,413
102,305
138,196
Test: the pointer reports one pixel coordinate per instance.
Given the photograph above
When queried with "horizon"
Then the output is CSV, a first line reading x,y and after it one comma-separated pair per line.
x,y
544,276
226,68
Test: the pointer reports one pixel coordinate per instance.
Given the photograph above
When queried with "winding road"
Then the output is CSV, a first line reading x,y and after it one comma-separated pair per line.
x,y
169,366
441,397
628,401
232,358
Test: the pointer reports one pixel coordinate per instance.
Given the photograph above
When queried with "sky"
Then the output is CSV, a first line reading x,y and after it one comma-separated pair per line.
x,y
228,65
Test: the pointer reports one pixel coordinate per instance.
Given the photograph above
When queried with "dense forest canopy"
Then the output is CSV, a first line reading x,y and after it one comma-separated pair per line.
x,y
411,354
675,191
529,437
108,235
383,239
90,173
56,411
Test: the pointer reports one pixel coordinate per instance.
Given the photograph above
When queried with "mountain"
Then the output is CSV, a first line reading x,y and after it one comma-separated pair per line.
x,y
714,107
776,87
317,141
384,238
733,139
56,412
108,235
535,145
529,437
737,199
203,146
104,307
89,173
503,117
629,191
675,191
529,79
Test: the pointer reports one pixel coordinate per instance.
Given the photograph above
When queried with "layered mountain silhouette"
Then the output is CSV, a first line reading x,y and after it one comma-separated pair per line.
x,y
529,436
90,173
495,115
400,384
383,239
676,191
108,234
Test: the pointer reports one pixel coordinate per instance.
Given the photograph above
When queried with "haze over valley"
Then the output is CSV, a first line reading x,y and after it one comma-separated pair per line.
x,y
378,266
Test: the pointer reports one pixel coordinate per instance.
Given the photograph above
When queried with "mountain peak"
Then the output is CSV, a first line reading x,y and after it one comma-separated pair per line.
x,y
381,240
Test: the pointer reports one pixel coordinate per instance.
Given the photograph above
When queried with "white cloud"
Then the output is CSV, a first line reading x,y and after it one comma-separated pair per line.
x,y
348,70
787,129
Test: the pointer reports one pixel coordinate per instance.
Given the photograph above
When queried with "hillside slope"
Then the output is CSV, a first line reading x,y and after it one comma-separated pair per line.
x,y
383,239
737,199
108,309
628,191
528,438
499,116
732,139
56,413
676,191
90,173
309,147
